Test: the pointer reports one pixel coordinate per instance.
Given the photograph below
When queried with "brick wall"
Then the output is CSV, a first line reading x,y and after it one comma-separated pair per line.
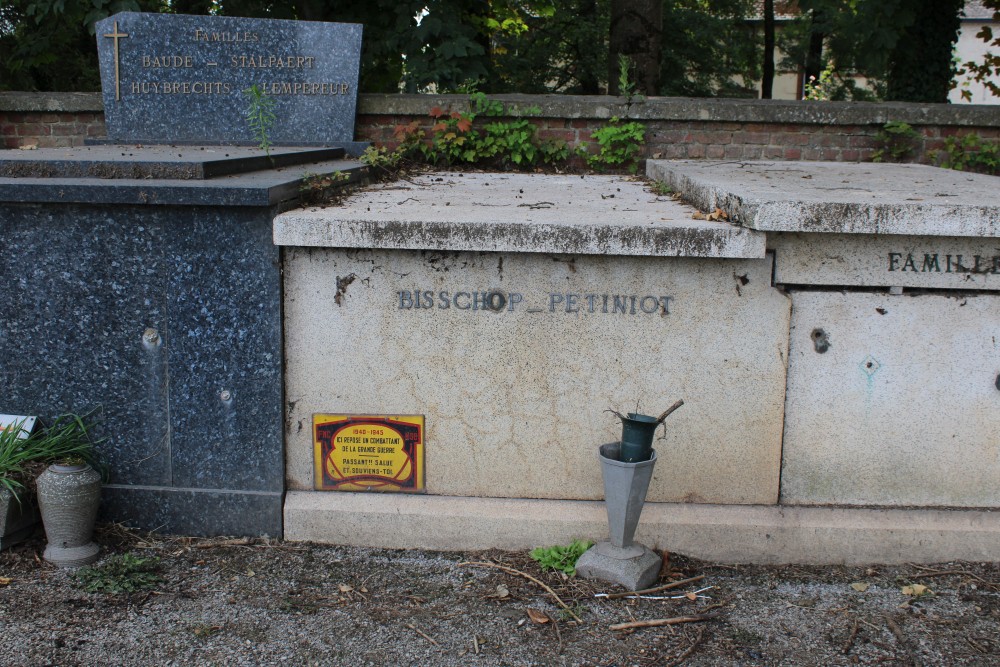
x,y
49,120
676,127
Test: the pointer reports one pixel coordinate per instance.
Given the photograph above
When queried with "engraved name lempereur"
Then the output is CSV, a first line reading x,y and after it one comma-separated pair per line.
x,y
562,302
273,88
941,263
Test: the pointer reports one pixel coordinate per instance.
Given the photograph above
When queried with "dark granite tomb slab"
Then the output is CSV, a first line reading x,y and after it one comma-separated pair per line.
x,y
159,301
174,78
161,162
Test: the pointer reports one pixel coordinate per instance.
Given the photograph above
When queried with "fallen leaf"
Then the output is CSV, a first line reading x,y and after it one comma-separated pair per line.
x,y
538,617
502,592
250,573
363,589
698,215
5,581
344,588
691,596
859,586
717,214
916,590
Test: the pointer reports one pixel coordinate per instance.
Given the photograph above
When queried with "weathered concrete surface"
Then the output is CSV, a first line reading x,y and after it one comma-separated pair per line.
x,y
886,261
516,400
606,562
903,406
598,215
842,198
728,534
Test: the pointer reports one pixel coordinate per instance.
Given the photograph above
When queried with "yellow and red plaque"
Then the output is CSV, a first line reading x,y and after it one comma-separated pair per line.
x,y
369,452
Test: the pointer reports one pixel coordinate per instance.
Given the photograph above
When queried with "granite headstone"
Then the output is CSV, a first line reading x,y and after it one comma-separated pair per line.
x,y
169,78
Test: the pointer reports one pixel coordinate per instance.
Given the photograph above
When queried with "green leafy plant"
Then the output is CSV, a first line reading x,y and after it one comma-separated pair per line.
x,y
260,116
822,89
67,440
509,140
449,136
970,153
120,573
626,85
561,558
620,145
661,188
12,458
380,157
316,188
895,141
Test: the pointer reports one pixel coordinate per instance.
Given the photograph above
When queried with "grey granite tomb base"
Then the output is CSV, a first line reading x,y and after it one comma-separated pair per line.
x,y
195,511
158,301
635,567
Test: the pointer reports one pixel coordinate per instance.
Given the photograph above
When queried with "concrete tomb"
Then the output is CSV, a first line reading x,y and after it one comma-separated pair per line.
x,y
834,341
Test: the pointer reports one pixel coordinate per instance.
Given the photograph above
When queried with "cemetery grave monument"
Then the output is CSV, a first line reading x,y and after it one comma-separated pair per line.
x,y
140,269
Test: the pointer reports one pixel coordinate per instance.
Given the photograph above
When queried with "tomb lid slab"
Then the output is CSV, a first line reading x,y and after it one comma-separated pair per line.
x,y
843,198
124,161
508,212
259,188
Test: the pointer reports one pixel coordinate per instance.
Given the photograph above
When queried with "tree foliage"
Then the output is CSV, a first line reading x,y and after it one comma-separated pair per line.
x,y
561,50
50,45
986,72
903,47
921,67
708,42
694,47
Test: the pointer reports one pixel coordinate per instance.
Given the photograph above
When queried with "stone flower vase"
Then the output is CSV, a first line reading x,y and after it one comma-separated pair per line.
x,y
621,559
68,496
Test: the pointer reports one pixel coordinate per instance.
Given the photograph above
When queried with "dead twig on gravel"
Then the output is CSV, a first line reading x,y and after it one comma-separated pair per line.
x,y
555,626
850,640
527,576
659,622
687,653
417,630
901,638
211,544
929,572
647,591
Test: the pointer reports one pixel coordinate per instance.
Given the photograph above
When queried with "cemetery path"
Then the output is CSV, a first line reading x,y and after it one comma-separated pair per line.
x,y
258,602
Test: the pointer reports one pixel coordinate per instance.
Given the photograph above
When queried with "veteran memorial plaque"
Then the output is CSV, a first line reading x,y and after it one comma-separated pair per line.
x,y
173,78
369,452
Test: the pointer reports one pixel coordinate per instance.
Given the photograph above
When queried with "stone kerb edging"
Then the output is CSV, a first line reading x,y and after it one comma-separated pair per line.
x,y
51,102
703,109
603,107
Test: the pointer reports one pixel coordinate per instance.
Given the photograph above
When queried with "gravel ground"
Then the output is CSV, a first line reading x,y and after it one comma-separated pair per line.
x,y
254,602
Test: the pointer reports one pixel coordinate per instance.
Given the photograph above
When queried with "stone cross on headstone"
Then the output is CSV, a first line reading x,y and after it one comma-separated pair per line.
x,y
116,36
169,78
